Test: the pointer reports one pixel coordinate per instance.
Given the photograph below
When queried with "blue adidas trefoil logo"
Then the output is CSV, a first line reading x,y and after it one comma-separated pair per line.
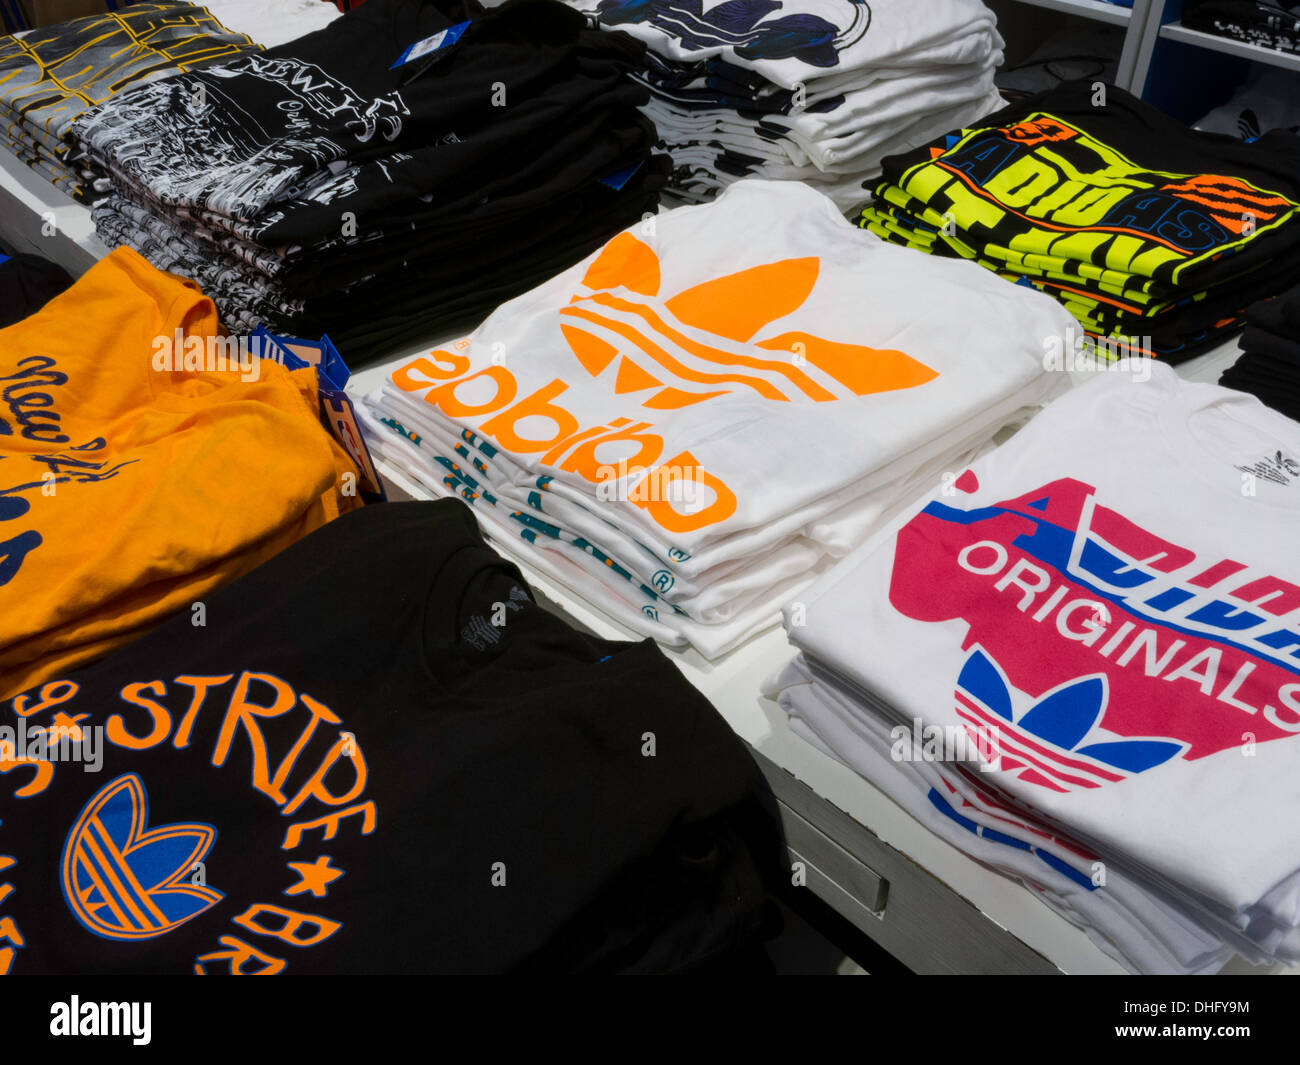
x,y
124,880
1058,742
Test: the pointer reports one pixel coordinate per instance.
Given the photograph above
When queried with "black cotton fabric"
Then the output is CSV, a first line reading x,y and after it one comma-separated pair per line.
x,y
379,755
1269,367
283,115
28,283
327,187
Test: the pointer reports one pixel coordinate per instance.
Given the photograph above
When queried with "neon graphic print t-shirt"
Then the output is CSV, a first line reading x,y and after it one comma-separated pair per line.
x,y
1140,226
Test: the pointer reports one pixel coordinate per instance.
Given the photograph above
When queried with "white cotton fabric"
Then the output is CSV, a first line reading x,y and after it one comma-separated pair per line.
x,y
1133,546
818,91
791,364
1128,923
274,24
880,34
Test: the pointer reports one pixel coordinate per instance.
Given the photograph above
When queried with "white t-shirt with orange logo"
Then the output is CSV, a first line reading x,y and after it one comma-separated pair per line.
x,y
720,380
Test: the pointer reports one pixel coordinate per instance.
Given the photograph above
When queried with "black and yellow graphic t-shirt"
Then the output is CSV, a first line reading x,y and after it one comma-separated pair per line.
x,y
1136,223
375,753
51,76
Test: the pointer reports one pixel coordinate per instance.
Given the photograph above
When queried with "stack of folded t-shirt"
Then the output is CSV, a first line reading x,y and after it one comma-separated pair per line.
x,y
1081,665
407,167
1153,235
688,426
50,77
809,90
388,759
1270,365
1259,22
142,465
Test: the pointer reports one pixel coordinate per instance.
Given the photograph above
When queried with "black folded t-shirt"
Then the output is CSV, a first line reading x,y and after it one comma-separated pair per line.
x,y
375,753
27,283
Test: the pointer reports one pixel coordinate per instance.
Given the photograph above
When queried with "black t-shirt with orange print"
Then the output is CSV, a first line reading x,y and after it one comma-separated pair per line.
x,y
376,754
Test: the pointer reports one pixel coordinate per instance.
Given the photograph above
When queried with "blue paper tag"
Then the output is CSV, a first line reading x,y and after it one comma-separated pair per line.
x,y
3,258
619,178
436,43
336,409
269,347
333,365
321,354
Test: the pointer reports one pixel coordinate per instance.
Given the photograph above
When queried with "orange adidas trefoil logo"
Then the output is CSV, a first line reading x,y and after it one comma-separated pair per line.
x,y
699,344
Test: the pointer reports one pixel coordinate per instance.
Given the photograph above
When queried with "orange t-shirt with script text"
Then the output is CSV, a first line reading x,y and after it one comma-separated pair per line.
x,y
129,492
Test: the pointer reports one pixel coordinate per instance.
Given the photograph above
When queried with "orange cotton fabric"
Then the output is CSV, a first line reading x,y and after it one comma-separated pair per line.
x,y
128,493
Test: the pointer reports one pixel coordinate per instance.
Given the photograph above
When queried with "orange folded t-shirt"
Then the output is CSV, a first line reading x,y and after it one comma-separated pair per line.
x,y
128,492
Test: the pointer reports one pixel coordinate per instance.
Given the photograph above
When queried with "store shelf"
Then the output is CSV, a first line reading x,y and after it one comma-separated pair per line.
x,y
1137,22
1176,31
1097,10
36,217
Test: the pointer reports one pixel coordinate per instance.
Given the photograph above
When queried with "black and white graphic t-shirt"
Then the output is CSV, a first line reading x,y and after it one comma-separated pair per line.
x,y
340,94
412,164
817,91
373,754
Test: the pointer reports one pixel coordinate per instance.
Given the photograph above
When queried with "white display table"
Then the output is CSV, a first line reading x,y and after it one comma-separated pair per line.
x,y
919,898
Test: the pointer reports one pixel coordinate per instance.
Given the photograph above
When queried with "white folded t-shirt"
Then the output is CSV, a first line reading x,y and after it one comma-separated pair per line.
x,y
721,366
801,40
1116,591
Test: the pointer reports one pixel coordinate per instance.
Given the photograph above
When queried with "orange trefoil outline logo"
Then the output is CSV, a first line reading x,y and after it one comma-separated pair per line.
x,y
698,344
124,880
